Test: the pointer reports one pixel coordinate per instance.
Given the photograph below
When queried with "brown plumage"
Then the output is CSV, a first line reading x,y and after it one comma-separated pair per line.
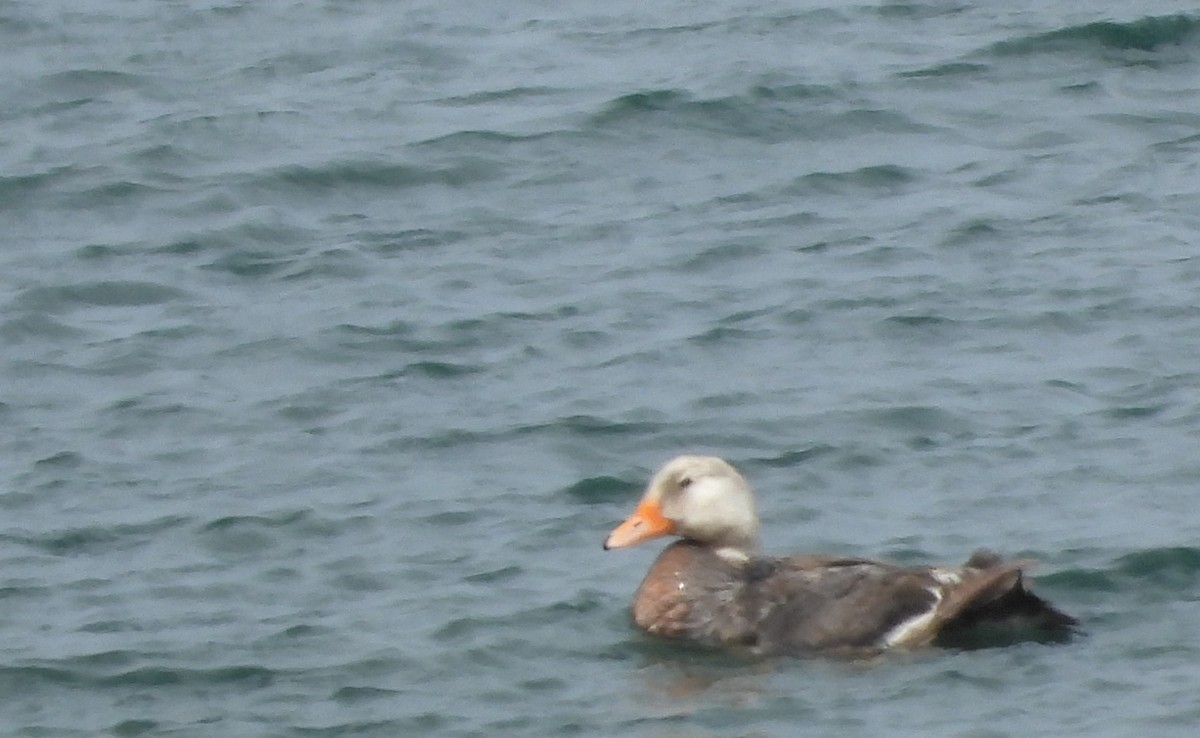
x,y
714,587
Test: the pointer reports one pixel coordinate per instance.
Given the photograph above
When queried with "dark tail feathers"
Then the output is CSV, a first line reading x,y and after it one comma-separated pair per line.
x,y
1014,615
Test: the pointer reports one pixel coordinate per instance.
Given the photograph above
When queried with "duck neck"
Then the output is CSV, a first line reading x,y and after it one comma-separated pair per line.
x,y
737,551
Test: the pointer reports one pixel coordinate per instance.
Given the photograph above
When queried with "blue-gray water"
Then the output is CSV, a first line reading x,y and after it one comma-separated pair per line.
x,y
336,336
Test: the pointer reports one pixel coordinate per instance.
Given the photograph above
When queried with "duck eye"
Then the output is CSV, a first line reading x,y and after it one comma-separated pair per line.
x,y
684,482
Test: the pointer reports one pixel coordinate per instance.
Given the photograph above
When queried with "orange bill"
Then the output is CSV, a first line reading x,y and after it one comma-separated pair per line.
x,y
646,522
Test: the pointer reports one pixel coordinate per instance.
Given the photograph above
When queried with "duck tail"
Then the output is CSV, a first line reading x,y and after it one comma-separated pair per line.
x,y
999,609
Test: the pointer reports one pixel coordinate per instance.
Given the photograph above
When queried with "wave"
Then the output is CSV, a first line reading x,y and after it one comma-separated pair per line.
x,y
521,622
96,539
20,189
1150,40
337,175
104,293
882,178
1163,573
601,490
582,427
1150,34
676,109
764,113
84,674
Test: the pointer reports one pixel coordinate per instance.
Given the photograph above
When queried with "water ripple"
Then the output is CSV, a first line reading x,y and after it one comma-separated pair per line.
x,y
97,539
1149,34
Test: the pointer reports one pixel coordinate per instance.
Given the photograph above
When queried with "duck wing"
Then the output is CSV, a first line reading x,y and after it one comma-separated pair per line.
x,y
826,603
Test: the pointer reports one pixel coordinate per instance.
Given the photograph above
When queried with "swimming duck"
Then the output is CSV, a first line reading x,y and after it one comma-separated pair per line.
x,y
714,586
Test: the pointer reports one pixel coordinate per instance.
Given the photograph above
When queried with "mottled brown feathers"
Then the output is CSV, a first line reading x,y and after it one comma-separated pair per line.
x,y
714,587
824,603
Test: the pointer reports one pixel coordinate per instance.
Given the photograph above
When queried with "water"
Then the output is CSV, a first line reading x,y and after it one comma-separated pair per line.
x,y
338,335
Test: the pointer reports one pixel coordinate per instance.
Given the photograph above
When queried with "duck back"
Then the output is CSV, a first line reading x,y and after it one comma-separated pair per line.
x,y
825,603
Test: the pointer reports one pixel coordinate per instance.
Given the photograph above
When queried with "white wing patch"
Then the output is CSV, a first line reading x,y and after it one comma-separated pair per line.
x,y
898,635
947,577
733,555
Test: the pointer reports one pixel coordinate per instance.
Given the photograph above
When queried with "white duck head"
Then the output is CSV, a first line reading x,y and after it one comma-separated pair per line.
x,y
702,498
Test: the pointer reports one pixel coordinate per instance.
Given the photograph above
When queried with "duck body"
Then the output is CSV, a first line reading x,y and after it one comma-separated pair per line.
x,y
713,586
814,603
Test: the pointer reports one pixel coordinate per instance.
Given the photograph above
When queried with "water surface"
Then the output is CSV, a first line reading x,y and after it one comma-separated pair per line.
x,y
338,335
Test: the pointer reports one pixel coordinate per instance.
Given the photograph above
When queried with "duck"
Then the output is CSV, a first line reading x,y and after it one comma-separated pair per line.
x,y
713,586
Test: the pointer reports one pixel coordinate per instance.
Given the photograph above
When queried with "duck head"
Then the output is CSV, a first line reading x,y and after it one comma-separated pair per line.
x,y
702,498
